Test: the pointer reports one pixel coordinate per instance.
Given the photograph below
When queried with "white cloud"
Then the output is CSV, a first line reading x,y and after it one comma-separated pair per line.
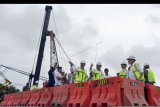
x,y
125,30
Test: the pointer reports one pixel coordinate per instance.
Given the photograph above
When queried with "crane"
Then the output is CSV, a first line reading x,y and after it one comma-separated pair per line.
x,y
7,82
53,52
19,71
3,68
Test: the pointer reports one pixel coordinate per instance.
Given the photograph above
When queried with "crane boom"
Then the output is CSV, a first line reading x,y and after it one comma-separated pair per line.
x,y
53,51
19,71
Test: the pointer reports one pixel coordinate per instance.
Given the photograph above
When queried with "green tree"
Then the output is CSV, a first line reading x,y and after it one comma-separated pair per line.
x,y
7,90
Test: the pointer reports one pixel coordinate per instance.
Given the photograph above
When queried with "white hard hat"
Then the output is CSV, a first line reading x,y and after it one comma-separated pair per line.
x,y
99,63
83,62
145,64
37,82
124,63
131,57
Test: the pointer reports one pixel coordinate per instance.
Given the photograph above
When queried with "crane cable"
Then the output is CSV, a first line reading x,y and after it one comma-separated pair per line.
x,y
34,61
96,52
56,31
77,52
62,49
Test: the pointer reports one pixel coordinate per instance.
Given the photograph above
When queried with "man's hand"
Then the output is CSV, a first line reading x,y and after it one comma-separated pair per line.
x,y
141,75
55,65
91,74
91,66
65,74
70,63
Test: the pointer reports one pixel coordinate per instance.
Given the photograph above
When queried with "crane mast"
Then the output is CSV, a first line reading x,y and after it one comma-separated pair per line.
x,y
42,43
53,51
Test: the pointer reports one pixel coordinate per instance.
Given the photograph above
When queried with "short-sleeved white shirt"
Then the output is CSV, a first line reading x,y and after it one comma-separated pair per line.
x,y
56,73
130,72
107,76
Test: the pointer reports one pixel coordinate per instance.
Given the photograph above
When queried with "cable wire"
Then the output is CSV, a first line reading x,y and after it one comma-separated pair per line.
x,y
36,54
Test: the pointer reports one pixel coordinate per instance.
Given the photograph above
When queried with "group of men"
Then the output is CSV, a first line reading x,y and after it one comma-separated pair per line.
x,y
79,74
135,72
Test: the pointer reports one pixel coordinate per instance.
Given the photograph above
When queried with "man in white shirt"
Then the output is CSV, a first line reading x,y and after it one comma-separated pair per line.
x,y
58,76
71,77
106,71
134,71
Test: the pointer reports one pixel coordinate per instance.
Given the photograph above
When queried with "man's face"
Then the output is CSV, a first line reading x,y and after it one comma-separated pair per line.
x,y
146,67
106,72
123,66
60,69
98,66
83,65
117,74
130,61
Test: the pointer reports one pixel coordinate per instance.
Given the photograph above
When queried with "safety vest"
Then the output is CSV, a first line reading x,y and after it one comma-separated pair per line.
x,y
136,72
97,75
80,75
35,87
123,73
151,77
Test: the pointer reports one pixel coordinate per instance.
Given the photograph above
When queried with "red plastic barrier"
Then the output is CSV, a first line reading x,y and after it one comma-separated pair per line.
x,y
46,97
153,95
80,95
105,92
62,95
25,98
17,100
35,96
132,93
11,99
56,94
158,93
6,99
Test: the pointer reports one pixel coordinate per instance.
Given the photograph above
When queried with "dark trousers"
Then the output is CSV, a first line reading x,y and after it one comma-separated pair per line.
x,y
50,84
146,93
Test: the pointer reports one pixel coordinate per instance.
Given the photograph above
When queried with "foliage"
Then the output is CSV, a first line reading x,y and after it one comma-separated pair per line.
x,y
7,90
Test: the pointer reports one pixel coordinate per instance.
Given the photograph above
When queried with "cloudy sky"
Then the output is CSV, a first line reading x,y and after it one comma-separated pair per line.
x,y
107,32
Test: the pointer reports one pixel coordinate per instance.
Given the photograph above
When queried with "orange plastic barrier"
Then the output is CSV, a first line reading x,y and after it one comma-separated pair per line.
x,y
61,96
35,96
56,94
25,98
105,92
158,93
153,95
46,97
17,100
132,93
80,95
11,99
6,99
